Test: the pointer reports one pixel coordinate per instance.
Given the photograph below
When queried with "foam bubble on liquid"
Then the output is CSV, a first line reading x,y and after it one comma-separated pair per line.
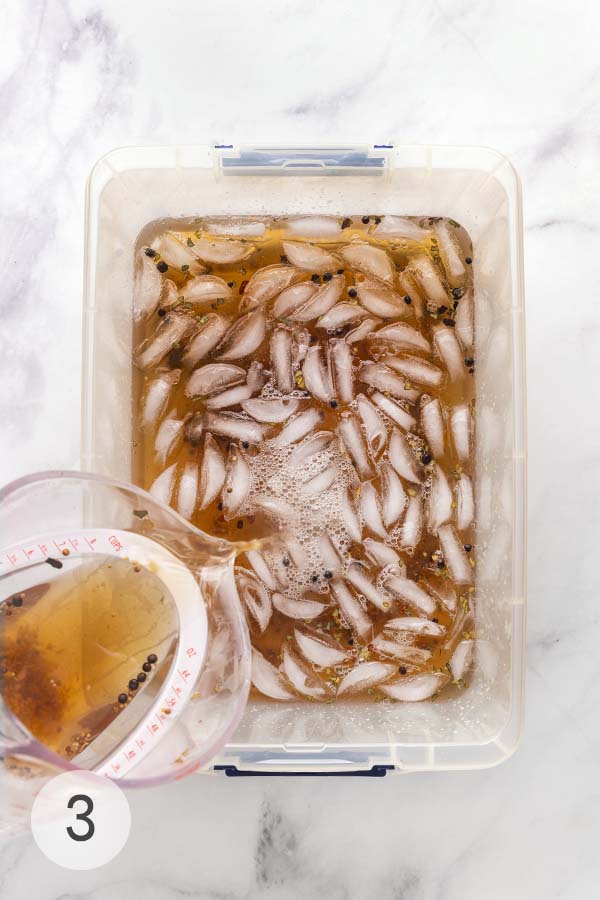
x,y
270,391
274,475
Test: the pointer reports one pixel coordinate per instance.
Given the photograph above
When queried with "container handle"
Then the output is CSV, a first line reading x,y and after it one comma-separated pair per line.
x,y
377,771
345,159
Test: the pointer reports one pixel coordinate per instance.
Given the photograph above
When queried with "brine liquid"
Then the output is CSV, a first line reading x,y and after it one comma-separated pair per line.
x,y
80,648
311,516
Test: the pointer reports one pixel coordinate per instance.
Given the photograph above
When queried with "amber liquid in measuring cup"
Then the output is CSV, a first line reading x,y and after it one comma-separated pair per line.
x,y
81,648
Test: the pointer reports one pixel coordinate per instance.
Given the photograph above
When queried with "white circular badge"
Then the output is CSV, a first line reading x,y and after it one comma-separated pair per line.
x,y
80,820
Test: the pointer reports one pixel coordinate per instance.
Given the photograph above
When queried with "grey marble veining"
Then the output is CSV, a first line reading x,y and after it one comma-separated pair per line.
x,y
78,78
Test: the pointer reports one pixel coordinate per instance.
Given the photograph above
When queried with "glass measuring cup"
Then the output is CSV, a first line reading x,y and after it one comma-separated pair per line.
x,y
55,529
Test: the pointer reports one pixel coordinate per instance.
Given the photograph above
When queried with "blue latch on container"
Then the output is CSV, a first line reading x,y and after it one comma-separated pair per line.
x,y
373,772
308,160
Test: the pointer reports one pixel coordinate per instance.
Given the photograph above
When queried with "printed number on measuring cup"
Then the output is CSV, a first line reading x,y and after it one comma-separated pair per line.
x,y
82,816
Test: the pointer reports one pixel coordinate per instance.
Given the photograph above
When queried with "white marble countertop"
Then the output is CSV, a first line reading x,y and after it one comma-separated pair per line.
x,y
78,78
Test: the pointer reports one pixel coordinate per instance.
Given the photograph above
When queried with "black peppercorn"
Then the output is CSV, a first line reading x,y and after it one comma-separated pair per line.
x,y
162,266
468,548
457,293
152,658
147,667
333,404
346,223
286,561
426,458
468,260
328,574
469,361
150,252
122,698
18,600
407,299
133,684
141,676
174,356
245,444
327,276
403,670
352,292
448,322
316,278
365,220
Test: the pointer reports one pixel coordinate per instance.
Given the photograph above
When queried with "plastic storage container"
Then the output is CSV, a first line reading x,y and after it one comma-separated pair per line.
x,y
478,187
